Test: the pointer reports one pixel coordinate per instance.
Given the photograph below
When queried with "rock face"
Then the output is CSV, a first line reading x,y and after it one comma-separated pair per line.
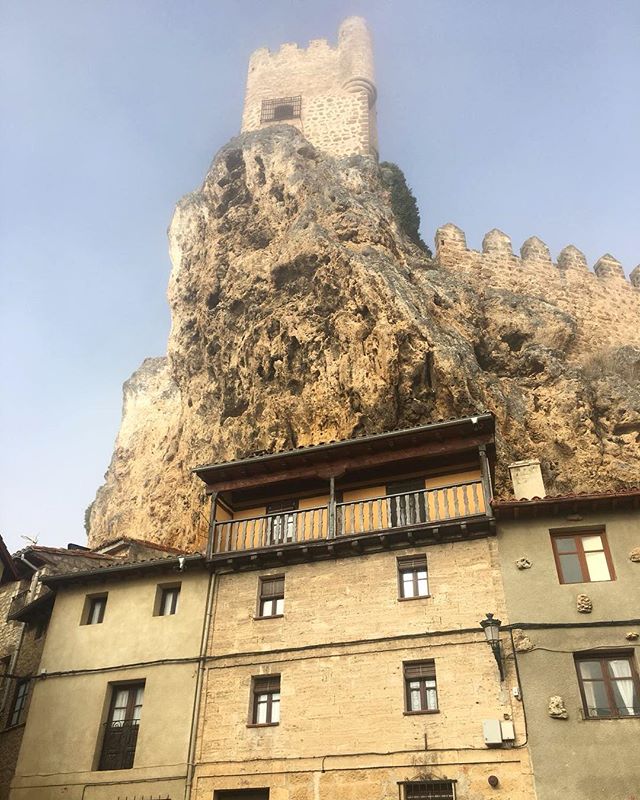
x,y
301,314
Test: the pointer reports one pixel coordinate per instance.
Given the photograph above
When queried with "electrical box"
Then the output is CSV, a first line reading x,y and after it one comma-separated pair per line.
x,y
492,732
508,731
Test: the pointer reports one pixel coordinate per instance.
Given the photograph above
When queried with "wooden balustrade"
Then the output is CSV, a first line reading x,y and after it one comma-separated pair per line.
x,y
369,515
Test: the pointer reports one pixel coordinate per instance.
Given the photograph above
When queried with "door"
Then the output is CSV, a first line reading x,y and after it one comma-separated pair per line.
x,y
282,526
407,505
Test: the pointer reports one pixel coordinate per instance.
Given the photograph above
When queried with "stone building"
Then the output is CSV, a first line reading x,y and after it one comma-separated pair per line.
x,y
571,572
25,608
345,656
328,93
112,702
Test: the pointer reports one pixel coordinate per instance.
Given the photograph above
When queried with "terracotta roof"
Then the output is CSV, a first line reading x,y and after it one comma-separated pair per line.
x,y
61,551
511,507
145,542
120,566
484,420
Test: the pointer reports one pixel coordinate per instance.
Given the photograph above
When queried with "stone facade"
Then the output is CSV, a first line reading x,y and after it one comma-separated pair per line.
x,y
339,649
335,86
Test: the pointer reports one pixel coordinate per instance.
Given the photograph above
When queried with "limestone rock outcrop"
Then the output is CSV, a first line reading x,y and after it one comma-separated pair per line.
x,y
302,314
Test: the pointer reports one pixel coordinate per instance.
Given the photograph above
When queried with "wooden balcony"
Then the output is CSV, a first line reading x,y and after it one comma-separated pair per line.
x,y
413,511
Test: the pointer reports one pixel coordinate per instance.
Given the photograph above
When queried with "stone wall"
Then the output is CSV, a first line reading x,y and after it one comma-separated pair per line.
x,y
336,85
604,303
339,649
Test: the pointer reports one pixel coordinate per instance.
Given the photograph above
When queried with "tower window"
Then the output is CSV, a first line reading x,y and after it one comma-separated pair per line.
x,y
281,108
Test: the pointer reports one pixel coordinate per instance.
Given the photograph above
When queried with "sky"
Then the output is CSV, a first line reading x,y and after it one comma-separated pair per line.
x,y
523,116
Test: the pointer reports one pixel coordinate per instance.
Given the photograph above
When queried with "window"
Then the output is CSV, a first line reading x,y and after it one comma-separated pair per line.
x,y
281,108
420,687
94,608
121,728
16,715
582,557
406,501
271,599
608,685
265,701
429,790
166,600
282,526
412,577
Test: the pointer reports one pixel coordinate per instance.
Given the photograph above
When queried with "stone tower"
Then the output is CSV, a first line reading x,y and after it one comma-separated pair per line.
x,y
327,92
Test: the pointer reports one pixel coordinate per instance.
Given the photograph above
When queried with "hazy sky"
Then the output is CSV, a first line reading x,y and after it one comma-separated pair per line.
x,y
518,115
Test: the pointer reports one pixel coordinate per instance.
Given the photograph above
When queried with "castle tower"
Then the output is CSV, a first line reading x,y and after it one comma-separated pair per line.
x,y
327,92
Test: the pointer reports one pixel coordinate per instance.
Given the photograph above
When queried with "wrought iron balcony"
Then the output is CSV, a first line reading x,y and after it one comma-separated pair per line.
x,y
393,512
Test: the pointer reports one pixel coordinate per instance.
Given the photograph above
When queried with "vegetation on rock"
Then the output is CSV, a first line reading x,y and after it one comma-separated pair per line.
x,y
403,203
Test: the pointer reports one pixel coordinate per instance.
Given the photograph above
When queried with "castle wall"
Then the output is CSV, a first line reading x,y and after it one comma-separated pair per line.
x,y
604,303
335,85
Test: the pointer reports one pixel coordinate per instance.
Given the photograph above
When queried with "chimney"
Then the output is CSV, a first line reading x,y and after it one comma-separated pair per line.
x,y
526,478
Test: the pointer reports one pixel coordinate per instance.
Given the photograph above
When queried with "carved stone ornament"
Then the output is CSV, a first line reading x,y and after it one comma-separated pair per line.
x,y
523,563
521,641
634,555
584,604
632,636
557,708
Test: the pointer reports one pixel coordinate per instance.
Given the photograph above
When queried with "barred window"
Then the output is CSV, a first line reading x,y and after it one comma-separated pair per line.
x,y
421,695
281,108
265,700
412,577
429,790
271,598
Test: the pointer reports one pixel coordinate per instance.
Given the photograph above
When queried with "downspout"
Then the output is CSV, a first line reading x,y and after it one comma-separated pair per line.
x,y
206,627
487,489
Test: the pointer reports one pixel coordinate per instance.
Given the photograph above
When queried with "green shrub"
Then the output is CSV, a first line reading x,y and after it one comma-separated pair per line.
x,y
403,203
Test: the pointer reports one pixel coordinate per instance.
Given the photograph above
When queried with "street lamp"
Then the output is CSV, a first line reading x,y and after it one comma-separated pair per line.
x,y
491,628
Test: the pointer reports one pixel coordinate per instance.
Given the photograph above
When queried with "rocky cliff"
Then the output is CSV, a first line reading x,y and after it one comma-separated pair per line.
x,y
301,314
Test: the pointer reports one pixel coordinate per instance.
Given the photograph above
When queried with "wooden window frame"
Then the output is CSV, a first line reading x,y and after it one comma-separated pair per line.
x,y
577,535
262,598
132,688
19,703
257,684
429,667
603,657
162,589
404,565
89,604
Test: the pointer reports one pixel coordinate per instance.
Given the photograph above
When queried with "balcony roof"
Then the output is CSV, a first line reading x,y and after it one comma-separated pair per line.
x,y
620,500
435,439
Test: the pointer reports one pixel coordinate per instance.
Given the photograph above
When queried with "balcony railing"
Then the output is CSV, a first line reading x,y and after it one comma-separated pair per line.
x,y
119,744
356,517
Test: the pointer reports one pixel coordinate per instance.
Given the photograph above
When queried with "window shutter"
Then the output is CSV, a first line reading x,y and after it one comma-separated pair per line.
x,y
412,562
272,587
421,669
267,683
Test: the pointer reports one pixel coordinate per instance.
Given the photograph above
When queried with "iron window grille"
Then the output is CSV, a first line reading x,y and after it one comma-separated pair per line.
x,y
265,700
271,600
428,790
609,685
412,577
18,707
281,108
421,696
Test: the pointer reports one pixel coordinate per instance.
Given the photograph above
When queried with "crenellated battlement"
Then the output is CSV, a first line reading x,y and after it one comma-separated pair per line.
x,y
326,92
451,245
603,302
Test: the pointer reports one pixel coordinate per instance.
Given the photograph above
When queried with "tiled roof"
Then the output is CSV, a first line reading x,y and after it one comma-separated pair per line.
x,y
260,454
145,542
